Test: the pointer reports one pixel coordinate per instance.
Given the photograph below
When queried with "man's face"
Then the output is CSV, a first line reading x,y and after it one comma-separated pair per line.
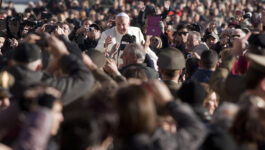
x,y
66,29
211,41
57,117
183,35
192,41
122,24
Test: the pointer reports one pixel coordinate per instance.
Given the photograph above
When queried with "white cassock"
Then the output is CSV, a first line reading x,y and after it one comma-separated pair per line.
x,y
116,38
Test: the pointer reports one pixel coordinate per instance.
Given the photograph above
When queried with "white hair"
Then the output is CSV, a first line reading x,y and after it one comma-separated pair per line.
x,y
122,14
31,66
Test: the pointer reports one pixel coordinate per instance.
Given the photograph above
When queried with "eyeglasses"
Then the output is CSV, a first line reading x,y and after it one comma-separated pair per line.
x,y
182,33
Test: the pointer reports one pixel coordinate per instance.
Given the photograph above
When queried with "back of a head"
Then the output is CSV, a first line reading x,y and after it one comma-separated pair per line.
x,y
171,59
209,59
136,111
192,92
137,50
135,72
249,123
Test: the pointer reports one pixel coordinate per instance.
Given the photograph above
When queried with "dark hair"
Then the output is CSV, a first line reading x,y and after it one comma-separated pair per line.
x,y
169,73
181,26
249,125
191,66
83,129
209,58
136,111
135,72
253,77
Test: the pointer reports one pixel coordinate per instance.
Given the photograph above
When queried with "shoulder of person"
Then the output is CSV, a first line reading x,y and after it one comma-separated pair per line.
x,y
134,28
109,31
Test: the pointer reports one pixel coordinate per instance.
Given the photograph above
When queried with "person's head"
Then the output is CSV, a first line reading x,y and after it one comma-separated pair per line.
x,y
193,93
211,100
225,114
94,32
82,130
170,62
194,39
122,23
29,56
209,59
255,76
135,72
43,96
136,110
133,53
192,65
66,28
155,43
211,39
249,123
182,33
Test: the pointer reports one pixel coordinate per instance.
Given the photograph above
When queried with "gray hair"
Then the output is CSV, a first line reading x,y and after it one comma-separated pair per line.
x,y
197,34
225,114
137,50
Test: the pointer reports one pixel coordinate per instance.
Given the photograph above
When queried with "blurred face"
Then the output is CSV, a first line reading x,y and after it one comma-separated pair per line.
x,y
66,29
122,24
211,103
183,35
211,41
126,57
57,117
4,103
192,41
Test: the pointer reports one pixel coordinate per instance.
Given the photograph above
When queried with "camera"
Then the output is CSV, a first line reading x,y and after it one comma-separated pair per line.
x,y
50,28
91,29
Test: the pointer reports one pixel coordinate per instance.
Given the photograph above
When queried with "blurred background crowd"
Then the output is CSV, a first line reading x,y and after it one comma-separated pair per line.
x,y
132,75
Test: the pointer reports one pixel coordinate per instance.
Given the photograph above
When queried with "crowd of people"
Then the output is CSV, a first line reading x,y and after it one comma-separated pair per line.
x,y
133,75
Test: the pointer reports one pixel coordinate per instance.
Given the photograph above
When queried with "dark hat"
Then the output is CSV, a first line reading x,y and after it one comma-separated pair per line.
x,y
27,52
257,61
213,35
192,92
171,59
95,26
97,57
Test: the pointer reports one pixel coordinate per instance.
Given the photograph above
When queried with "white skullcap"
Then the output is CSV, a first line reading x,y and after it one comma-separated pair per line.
x,y
122,14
